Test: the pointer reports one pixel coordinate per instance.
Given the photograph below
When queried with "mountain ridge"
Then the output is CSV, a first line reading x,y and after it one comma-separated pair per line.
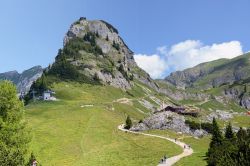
x,y
225,79
195,76
23,80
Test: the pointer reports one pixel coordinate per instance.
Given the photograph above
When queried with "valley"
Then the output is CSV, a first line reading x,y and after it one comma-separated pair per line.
x,y
97,86
66,134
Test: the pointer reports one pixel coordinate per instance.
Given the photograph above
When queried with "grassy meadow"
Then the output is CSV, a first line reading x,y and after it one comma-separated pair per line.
x,y
81,128
199,146
72,132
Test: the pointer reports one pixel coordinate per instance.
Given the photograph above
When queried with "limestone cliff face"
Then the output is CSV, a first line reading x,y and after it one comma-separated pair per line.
x,y
113,65
23,80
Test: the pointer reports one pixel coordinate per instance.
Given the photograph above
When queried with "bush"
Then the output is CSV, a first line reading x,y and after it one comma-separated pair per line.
x,y
88,44
116,45
128,124
124,73
196,126
96,78
90,37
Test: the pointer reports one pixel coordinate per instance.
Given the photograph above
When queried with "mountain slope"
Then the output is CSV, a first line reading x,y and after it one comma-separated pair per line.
x,y
212,74
97,84
23,80
81,128
94,52
225,80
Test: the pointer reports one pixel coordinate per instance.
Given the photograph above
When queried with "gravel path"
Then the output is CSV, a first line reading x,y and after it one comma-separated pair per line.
x,y
172,160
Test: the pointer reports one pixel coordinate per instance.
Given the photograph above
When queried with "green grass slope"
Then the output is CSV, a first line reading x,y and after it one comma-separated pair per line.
x,y
214,73
199,146
71,132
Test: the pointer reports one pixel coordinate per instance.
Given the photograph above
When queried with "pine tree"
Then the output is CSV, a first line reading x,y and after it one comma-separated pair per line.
x,y
243,146
14,135
229,132
128,123
241,135
216,134
214,152
44,84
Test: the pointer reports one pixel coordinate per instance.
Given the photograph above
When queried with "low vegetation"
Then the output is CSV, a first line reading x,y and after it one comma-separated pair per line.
x,y
202,125
128,124
73,132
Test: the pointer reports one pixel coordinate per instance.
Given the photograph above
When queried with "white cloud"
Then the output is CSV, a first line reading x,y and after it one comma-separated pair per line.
x,y
152,64
192,52
184,55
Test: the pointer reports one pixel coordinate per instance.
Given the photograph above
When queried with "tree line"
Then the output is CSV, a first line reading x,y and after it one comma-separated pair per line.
x,y
230,149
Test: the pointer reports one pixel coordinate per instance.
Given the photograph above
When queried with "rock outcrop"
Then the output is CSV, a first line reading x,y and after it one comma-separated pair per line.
x,y
100,53
240,94
167,120
23,80
221,115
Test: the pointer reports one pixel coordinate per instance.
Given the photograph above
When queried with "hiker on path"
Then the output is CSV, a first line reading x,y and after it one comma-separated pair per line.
x,y
34,163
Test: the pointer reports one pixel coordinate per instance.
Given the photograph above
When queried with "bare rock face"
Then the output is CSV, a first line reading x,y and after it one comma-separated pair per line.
x,y
240,95
245,101
23,80
117,80
116,65
218,114
167,120
105,31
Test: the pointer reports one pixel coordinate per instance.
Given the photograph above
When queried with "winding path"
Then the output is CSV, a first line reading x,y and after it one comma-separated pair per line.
x,y
170,161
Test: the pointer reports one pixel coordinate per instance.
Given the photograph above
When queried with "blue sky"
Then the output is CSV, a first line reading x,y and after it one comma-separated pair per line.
x,y
31,31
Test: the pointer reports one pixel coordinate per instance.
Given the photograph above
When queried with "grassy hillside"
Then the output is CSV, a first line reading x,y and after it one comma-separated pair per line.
x,y
213,74
199,146
72,132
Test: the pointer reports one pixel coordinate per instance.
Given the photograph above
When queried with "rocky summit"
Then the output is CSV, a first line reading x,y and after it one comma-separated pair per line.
x,y
94,49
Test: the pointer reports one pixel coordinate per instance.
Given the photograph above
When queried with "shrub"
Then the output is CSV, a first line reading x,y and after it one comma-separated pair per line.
x,y
195,126
128,124
107,38
116,45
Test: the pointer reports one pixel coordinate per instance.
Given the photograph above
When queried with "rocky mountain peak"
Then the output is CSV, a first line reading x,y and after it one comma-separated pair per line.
x,y
96,51
100,27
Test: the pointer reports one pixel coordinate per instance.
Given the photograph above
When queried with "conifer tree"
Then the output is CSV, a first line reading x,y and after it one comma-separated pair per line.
x,y
128,123
229,132
216,134
14,135
214,152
